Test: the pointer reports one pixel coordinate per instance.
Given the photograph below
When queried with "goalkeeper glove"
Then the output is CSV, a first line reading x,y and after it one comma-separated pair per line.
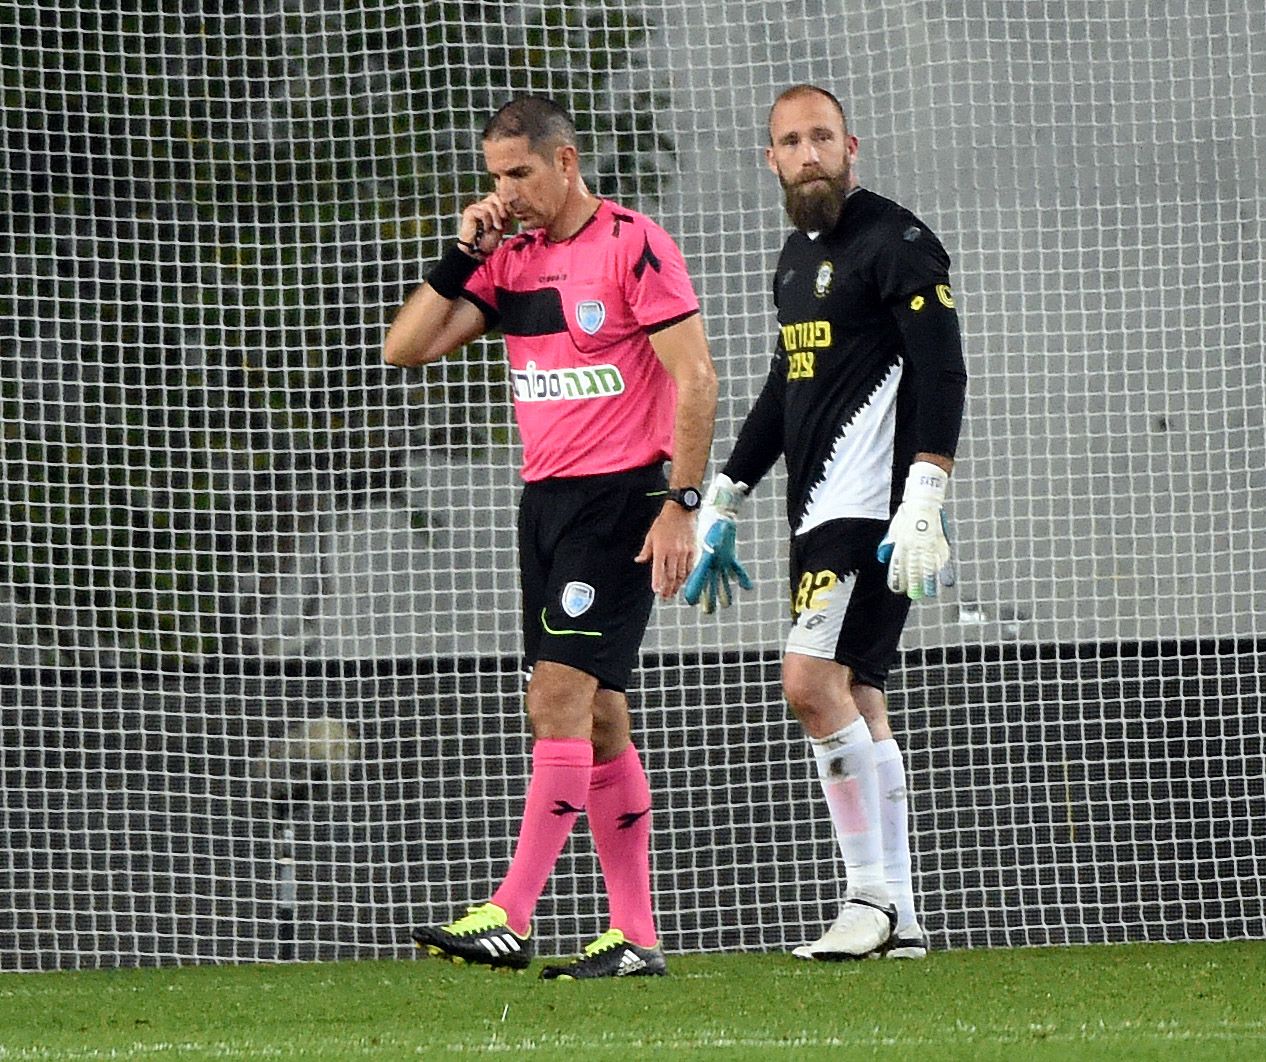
x,y
917,547
709,583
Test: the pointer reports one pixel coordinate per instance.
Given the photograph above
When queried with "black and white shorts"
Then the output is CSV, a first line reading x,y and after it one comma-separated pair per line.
x,y
841,606
586,602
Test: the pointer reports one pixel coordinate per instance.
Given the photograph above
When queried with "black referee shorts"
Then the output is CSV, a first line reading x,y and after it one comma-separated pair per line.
x,y
585,602
841,606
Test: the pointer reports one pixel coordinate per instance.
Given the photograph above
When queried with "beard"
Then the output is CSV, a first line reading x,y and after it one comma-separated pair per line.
x,y
814,205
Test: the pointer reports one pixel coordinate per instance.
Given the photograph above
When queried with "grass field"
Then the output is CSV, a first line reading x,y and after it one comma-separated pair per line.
x,y
1188,1001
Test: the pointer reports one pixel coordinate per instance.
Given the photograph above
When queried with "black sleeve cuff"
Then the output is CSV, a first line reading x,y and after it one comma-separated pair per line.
x,y
449,275
652,329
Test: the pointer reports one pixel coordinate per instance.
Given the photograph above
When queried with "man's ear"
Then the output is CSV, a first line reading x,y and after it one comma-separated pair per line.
x,y
567,157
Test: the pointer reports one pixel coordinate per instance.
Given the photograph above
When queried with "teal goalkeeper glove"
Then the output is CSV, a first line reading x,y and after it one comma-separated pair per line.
x,y
709,583
917,547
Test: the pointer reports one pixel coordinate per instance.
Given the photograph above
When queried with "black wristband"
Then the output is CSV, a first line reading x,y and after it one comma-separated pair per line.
x,y
449,275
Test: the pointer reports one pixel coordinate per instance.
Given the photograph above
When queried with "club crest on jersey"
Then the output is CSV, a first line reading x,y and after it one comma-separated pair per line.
x,y
577,597
590,314
822,282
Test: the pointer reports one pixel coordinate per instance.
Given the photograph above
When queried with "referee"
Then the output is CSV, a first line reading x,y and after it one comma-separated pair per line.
x,y
865,394
611,378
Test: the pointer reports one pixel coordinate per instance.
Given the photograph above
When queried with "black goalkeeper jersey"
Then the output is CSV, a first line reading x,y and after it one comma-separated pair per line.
x,y
868,369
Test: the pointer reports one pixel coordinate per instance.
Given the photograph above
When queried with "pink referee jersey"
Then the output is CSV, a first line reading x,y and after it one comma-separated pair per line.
x,y
590,395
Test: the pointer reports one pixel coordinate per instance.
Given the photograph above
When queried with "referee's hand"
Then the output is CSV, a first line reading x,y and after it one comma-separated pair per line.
x,y
670,549
483,225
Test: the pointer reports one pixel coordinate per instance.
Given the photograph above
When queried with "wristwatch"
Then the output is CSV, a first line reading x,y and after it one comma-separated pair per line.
x,y
688,498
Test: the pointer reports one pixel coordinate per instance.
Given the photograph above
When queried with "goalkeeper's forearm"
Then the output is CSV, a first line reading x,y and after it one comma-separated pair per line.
x,y
933,351
759,442
945,464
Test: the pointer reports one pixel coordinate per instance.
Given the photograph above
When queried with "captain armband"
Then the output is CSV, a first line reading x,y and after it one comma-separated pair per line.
x,y
929,328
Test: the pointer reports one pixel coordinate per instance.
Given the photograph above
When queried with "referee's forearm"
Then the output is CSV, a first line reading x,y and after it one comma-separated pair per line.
x,y
682,349
410,339
695,422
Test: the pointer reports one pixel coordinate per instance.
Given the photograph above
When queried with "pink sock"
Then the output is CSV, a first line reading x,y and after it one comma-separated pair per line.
x,y
620,819
556,795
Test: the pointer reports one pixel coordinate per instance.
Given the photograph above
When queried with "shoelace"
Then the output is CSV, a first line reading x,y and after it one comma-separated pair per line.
x,y
476,920
612,938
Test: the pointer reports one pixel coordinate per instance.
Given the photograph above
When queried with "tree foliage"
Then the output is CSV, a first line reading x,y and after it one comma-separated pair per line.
x,y
211,217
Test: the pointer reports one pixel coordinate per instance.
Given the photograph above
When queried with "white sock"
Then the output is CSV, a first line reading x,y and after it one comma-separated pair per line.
x,y
894,816
846,769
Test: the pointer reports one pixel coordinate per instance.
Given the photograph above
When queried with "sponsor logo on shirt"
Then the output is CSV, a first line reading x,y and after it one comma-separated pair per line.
x,y
801,339
806,335
553,385
590,314
800,365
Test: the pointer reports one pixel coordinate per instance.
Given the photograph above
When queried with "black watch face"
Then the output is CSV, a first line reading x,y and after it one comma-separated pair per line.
x,y
688,497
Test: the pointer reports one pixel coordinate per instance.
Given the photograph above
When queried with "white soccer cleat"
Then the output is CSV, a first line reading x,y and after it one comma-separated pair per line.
x,y
861,929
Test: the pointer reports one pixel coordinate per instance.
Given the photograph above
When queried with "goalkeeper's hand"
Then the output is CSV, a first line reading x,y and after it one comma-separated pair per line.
x,y
709,583
917,546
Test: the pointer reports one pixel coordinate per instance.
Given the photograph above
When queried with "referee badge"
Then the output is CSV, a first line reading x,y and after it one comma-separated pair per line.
x,y
577,597
822,282
590,314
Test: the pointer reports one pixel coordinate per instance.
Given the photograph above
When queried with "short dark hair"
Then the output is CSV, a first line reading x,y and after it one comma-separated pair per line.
x,y
542,121
797,91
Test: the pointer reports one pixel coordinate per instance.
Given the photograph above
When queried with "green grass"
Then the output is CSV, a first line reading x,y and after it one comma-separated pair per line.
x,y
1188,1001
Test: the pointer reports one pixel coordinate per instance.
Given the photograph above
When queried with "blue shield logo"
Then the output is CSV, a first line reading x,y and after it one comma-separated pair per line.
x,y
589,315
577,597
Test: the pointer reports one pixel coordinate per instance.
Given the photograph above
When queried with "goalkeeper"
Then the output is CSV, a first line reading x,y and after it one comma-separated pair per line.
x,y
864,400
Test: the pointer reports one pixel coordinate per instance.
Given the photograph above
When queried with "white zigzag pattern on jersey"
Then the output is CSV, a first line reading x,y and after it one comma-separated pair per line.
x,y
856,480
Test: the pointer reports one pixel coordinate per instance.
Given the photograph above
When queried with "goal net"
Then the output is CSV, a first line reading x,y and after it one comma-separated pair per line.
x,y
258,595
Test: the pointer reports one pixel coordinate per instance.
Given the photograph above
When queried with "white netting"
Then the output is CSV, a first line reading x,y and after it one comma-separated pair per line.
x,y
258,612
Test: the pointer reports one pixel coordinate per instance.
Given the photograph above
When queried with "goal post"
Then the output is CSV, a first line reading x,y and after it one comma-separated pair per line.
x,y
259,677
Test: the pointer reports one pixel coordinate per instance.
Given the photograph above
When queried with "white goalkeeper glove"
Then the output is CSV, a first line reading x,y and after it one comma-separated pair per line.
x,y
709,583
916,547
